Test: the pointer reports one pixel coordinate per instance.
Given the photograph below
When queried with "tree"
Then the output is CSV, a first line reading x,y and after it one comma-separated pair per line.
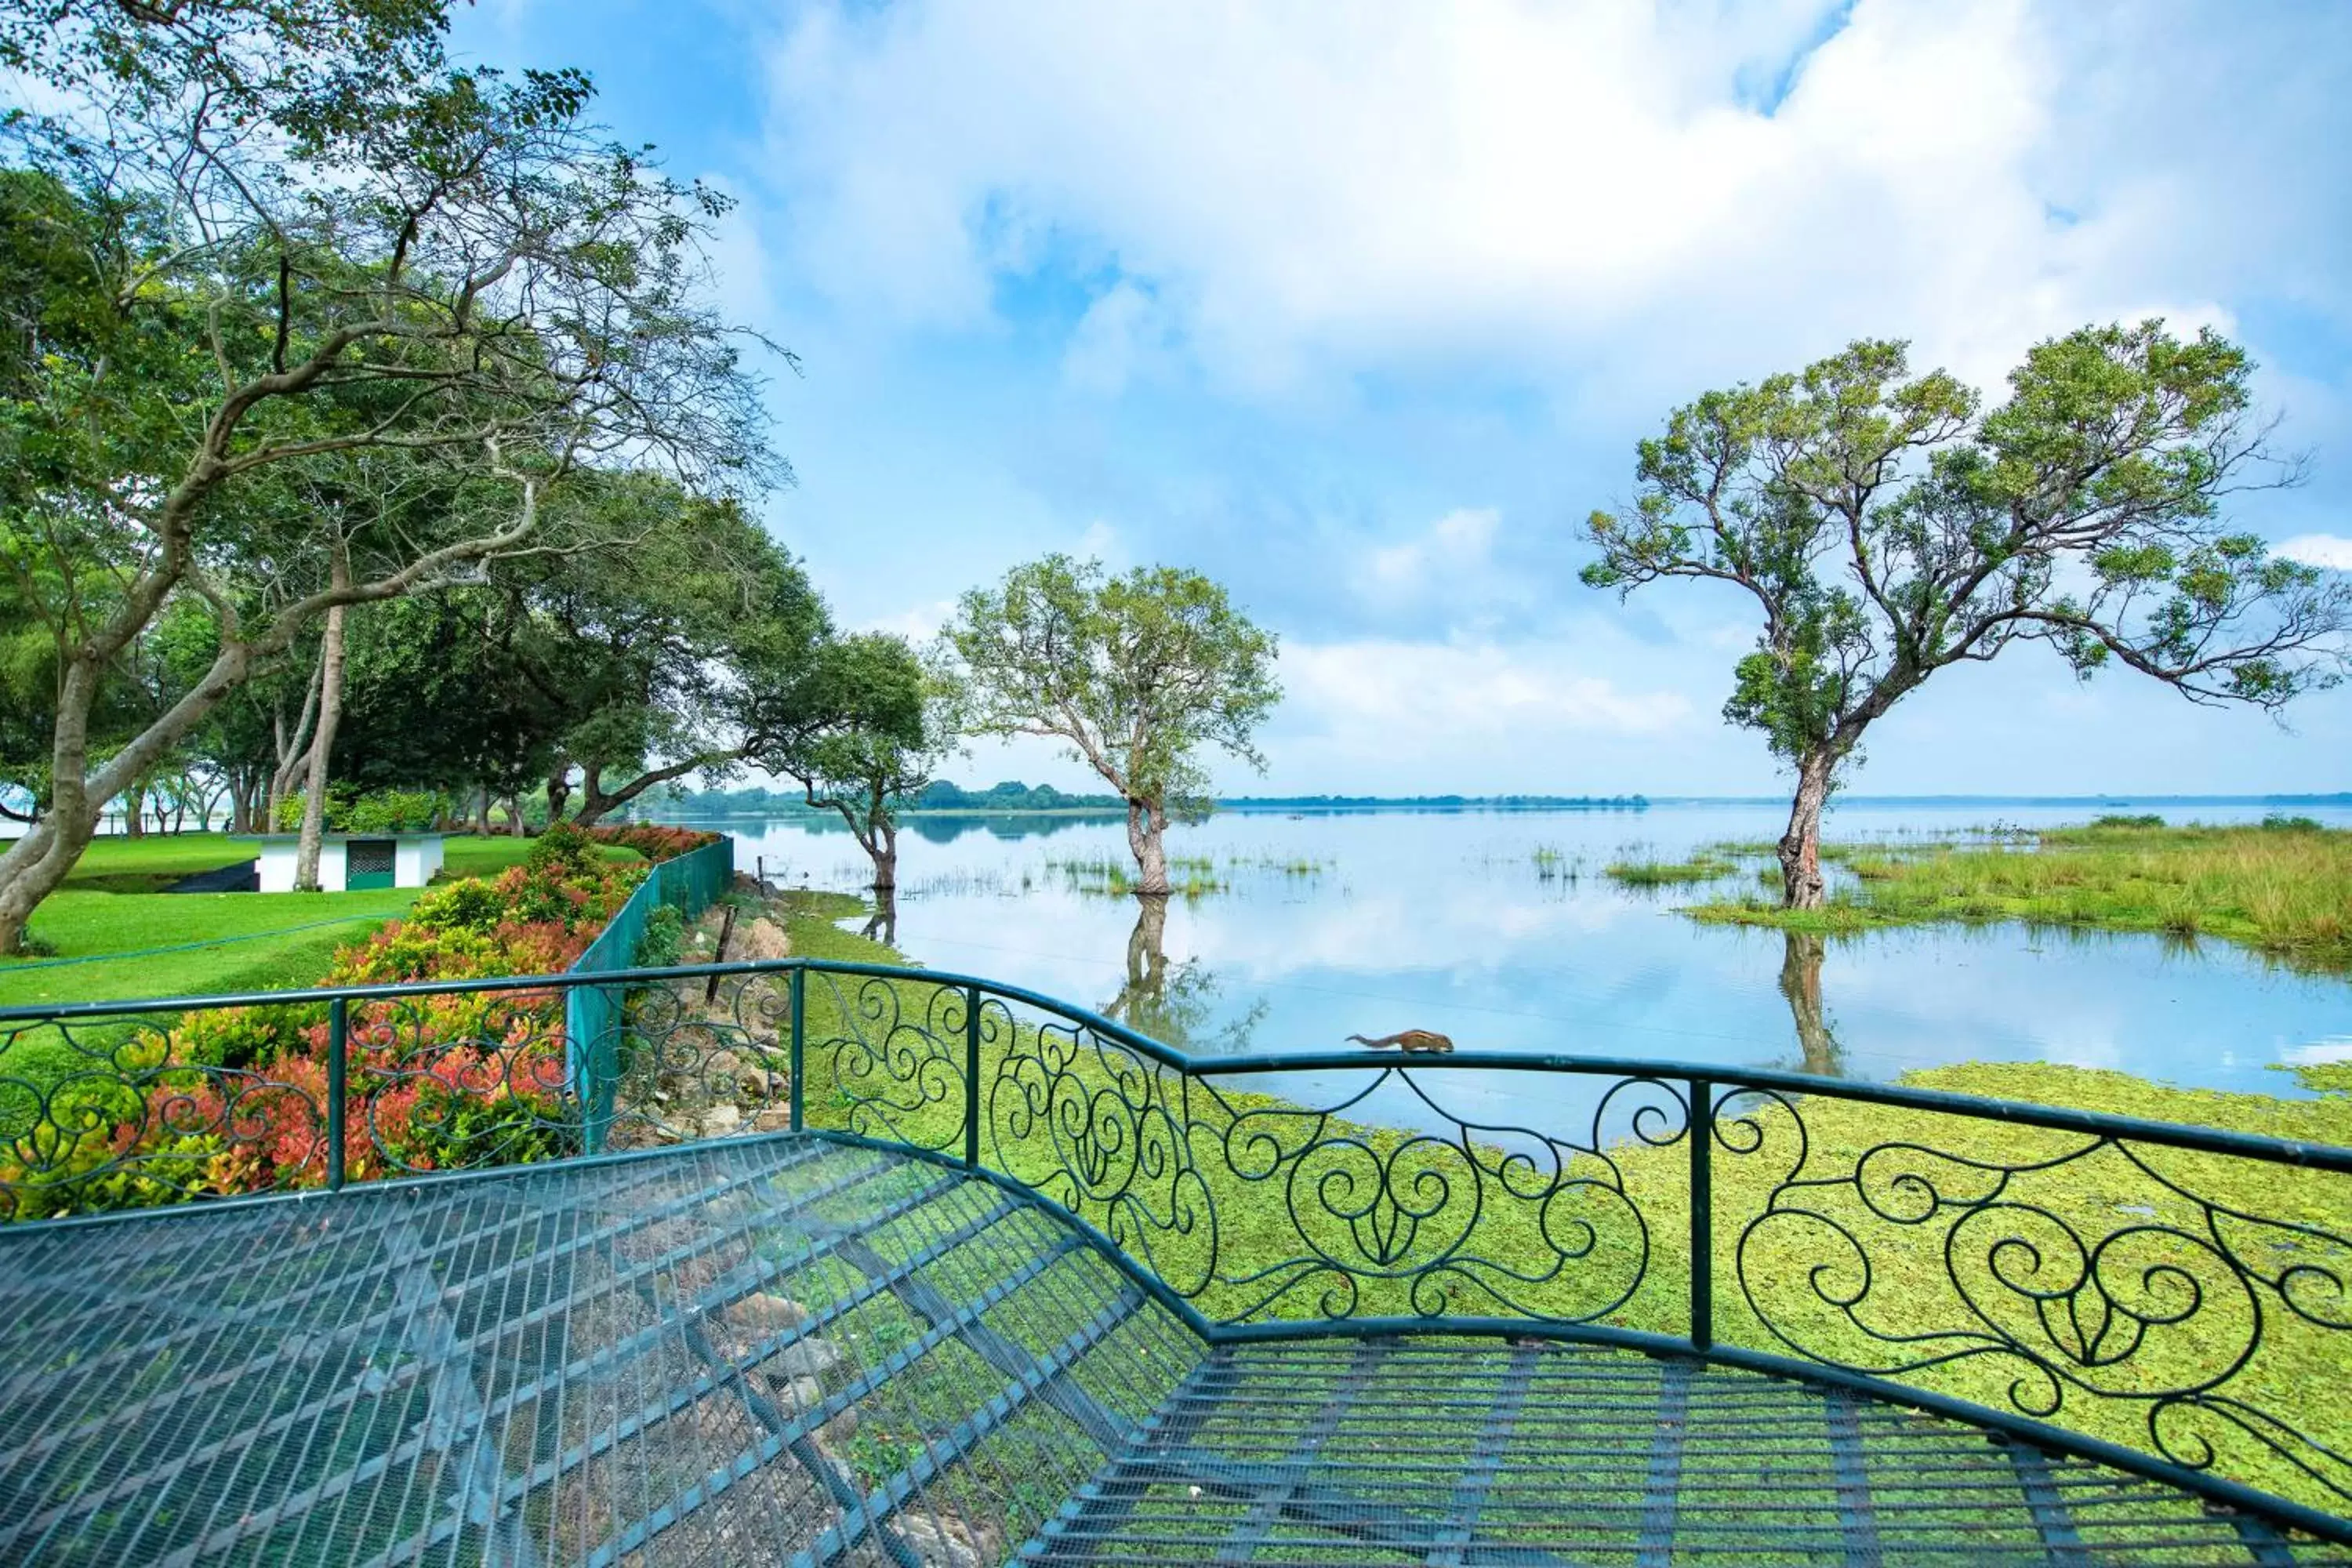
x,y
665,656
451,268
1135,674
877,723
1889,527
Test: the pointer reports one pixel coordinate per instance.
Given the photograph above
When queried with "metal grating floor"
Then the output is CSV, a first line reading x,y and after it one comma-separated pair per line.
x,y
789,1350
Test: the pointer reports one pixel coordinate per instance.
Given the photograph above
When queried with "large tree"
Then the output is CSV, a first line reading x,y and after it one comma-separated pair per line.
x,y
1136,675
1888,526
876,723
452,269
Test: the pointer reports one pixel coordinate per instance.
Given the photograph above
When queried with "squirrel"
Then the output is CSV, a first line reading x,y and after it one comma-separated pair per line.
x,y
1409,1040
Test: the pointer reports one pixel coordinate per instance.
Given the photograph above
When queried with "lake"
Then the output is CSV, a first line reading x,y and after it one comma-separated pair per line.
x,y
1500,929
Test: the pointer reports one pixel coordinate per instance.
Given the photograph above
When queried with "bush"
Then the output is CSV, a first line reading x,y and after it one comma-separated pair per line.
x,y
665,935
563,848
652,840
2118,819
470,904
376,811
391,811
2278,822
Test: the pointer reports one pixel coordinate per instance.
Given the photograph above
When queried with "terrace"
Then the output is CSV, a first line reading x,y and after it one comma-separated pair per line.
x,y
829,1263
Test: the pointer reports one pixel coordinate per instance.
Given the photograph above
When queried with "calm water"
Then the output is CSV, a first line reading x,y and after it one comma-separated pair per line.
x,y
1500,930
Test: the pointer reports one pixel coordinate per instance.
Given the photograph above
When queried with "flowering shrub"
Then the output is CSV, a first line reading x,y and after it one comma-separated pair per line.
x,y
652,840
234,1101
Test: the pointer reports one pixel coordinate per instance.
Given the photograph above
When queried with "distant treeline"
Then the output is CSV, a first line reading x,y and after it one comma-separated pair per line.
x,y
1013,796
1440,802
938,796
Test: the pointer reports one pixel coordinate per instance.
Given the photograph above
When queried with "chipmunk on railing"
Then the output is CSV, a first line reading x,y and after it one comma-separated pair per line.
x,y
1427,1040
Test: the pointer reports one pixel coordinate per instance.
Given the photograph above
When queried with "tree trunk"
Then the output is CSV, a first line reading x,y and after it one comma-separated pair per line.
x,y
323,745
293,750
595,801
482,814
134,811
512,806
882,925
36,863
881,838
1802,886
559,793
1801,983
1147,821
1141,1001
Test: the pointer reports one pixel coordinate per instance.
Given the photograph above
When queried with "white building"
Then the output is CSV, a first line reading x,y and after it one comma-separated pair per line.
x,y
354,862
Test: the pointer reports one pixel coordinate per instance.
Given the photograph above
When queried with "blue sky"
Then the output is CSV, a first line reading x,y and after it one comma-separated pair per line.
x,y
1361,309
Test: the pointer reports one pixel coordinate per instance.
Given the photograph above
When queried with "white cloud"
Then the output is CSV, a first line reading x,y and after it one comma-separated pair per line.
x,y
2330,550
1378,696
917,626
1455,546
1100,542
1498,182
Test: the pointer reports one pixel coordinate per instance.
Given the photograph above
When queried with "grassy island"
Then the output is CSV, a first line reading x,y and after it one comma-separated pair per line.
x,y
2282,887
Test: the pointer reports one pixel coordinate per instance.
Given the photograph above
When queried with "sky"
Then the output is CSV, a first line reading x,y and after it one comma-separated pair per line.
x,y
1360,310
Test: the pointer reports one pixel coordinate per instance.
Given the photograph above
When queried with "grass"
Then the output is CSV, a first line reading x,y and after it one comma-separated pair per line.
x,y
1669,873
1188,876
222,942
1992,1179
2282,888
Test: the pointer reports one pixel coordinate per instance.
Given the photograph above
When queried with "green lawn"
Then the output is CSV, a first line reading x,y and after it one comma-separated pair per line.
x,y
222,942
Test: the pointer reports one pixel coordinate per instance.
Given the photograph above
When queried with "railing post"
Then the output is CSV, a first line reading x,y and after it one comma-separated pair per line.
x,y
800,1035
971,1077
338,1113
1701,1132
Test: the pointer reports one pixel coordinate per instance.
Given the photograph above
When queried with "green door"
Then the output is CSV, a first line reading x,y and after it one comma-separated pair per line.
x,y
367,863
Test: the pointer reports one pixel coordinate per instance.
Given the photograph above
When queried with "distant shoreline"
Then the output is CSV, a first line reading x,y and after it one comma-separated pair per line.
x,y
1502,806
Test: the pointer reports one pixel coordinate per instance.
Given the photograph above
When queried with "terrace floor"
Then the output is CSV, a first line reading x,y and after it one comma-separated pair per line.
x,y
785,1349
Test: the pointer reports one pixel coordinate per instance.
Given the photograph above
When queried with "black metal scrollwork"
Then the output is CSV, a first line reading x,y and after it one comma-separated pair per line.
x,y
2090,1278
892,1071
1254,1207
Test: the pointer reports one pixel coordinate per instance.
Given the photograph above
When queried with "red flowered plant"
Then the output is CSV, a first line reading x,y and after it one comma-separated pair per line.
x,y
652,840
234,1100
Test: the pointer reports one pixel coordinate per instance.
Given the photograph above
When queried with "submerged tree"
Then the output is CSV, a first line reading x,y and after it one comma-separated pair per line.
x,y
1889,526
1138,674
873,722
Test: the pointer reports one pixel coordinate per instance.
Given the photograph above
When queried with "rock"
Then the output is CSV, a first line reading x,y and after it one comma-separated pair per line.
x,y
842,1427
720,1066
766,1310
772,1119
796,1394
763,939
802,1358
721,1120
941,1542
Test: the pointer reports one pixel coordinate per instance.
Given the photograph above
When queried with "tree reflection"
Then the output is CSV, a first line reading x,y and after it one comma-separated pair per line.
x,y
882,925
1174,1003
1801,983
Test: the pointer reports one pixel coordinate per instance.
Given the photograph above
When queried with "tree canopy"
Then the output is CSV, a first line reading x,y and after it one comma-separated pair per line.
x,y
879,719
1888,525
1138,674
301,318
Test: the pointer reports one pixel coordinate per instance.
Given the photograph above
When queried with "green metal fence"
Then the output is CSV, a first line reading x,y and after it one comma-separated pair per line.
x,y
594,1016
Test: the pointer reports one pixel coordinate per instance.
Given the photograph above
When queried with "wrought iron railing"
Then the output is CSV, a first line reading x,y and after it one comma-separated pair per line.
x,y
2169,1299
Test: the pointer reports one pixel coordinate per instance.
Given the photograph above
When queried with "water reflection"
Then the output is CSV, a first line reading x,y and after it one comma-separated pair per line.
x,y
882,923
1504,931
1182,1003
1801,983
935,827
